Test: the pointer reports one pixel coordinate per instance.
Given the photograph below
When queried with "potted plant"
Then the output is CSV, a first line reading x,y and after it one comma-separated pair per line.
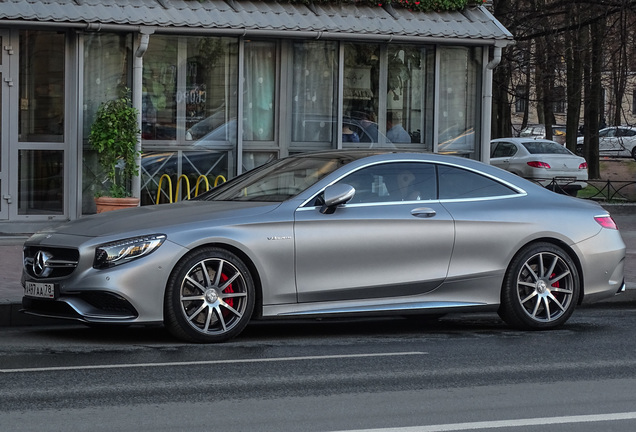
x,y
114,135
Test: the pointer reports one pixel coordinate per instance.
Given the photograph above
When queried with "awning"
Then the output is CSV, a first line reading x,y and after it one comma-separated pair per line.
x,y
474,25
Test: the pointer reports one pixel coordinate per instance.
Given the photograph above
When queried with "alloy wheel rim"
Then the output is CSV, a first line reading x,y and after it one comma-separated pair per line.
x,y
545,287
213,296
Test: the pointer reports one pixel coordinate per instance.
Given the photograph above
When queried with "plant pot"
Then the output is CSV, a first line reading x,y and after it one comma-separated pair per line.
x,y
108,203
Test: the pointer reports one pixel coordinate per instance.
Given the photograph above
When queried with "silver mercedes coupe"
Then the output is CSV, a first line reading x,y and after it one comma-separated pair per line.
x,y
330,234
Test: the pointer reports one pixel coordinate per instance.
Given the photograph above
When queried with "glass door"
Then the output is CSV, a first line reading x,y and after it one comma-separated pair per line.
x,y
5,84
38,157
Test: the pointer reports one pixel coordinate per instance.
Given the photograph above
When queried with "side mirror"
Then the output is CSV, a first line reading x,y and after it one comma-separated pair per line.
x,y
335,195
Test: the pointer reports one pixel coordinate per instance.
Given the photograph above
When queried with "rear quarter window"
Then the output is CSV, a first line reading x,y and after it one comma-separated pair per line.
x,y
459,183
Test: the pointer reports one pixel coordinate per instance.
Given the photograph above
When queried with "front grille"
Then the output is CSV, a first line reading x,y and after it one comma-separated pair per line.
x,y
49,262
94,305
108,302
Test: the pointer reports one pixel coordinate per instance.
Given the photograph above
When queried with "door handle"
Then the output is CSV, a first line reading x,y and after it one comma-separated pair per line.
x,y
423,212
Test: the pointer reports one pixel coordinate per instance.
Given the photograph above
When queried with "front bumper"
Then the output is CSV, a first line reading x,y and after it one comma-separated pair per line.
x,y
125,294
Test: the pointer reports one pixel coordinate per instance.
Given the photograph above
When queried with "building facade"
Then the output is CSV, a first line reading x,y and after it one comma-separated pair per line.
x,y
225,86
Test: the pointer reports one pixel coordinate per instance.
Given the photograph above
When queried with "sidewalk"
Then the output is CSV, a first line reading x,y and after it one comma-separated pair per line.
x,y
11,268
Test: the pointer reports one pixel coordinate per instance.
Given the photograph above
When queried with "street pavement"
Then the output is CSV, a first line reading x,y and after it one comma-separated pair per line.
x,y
11,268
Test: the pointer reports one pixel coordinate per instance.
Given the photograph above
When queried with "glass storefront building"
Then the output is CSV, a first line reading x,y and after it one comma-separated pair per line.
x,y
215,104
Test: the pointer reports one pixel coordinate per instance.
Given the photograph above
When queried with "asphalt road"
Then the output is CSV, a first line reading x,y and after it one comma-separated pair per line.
x,y
465,372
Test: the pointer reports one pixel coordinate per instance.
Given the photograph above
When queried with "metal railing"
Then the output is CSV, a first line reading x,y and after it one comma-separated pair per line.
x,y
600,190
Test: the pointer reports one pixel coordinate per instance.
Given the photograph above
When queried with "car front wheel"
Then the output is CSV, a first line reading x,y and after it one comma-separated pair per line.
x,y
209,296
540,289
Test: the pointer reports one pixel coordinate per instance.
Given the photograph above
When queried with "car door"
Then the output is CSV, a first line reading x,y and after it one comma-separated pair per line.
x,y
627,137
608,142
501,153
392,239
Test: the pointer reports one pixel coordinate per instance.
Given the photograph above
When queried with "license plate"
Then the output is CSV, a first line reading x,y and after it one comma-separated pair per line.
x,y
39,290
565,179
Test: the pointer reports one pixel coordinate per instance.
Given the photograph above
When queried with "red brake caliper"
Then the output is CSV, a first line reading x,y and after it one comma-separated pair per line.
x,y
555,284
228,290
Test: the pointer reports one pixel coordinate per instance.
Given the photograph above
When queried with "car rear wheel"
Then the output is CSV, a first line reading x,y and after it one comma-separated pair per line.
x,y
634,153
540,289
209,297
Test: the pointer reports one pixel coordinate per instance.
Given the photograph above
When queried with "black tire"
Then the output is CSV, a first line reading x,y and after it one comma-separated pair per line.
x,y
209,296
634,153
540,289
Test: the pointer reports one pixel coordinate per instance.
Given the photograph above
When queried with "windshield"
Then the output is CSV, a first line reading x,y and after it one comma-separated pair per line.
x,y
545,147
279,180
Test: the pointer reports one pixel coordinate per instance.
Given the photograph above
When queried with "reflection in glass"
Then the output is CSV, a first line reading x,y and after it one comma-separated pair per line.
x,y
314,93
41,113
410,96
252,160
260,87
190,101
195,95
361,93
41,182
159,107
106,67
106,76
209,95
182,174
460,69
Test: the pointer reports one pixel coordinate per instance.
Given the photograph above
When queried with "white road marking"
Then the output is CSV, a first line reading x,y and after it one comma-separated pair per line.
x,y
488,425
207,362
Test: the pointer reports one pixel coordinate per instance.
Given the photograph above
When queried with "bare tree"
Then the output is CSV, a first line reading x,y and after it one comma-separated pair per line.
x,y
575,43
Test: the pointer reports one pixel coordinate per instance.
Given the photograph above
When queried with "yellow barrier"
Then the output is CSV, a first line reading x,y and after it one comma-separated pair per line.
x,y
207,185
217,179
169,188
185,177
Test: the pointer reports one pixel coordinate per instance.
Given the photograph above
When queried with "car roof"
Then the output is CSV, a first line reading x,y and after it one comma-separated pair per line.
x,y
521,140
360,157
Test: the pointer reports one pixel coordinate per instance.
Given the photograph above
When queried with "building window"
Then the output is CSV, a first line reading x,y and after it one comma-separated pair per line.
x,y
361,91
259,91
409,99
521,99
189,116
460,88
41,168
41,87
196,118
314,95
106,75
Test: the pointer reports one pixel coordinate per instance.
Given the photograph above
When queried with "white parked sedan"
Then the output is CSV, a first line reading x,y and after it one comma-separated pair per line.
x,y
545,162
614,141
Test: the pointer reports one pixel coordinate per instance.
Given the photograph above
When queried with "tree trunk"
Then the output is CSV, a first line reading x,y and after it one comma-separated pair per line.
x,y
597,32
575,39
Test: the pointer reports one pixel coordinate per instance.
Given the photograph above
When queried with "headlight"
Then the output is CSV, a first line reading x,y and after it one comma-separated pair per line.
x,y
123,251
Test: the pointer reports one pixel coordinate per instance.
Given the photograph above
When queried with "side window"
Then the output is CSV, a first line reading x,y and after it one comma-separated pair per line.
x,y
400,181
503,149
626,132
458,183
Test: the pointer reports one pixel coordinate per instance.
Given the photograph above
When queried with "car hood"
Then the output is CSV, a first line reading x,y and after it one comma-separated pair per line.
x,y
160,217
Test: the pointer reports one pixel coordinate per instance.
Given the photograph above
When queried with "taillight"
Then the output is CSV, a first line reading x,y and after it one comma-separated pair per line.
x,y
606,222
537,164
583,166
